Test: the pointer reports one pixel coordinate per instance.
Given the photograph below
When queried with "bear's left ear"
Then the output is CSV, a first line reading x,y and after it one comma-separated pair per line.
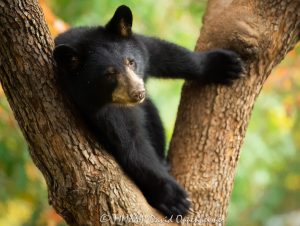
x,y
121,22
66,56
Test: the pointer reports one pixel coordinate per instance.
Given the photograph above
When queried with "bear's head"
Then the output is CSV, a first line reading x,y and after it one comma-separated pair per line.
x,y
102,65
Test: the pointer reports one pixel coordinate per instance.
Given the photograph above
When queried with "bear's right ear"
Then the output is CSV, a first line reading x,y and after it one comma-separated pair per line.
x,y
66,56
121,22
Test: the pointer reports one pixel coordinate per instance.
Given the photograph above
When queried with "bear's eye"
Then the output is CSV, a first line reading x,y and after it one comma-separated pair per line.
x,y
130,63
111,71
111,74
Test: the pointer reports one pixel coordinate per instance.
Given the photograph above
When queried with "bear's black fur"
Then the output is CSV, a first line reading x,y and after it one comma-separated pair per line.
x,y
103,70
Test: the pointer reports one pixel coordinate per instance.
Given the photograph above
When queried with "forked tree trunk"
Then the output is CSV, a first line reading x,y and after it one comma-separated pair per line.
x,y
84,182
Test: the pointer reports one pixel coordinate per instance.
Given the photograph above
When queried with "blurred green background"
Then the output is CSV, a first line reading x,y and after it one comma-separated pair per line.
x,y
267,184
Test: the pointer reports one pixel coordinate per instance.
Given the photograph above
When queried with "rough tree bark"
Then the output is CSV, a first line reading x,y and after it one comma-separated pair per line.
x,y
211,123
83,181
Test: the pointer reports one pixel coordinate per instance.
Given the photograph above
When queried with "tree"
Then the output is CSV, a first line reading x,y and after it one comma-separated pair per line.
x,y
84,182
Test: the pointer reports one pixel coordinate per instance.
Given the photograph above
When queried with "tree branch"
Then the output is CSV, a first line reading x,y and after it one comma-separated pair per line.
x,y
84,182
211,122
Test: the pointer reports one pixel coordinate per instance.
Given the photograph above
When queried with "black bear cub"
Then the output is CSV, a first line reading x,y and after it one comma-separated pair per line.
x,y
103,70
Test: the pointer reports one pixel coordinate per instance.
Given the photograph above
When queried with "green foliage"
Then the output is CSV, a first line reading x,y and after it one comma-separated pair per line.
x,y
268,176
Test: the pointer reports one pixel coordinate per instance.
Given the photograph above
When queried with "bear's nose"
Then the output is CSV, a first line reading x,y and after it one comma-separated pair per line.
x,y
138,95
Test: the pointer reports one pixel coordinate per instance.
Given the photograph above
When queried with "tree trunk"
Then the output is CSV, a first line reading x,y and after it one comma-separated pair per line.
x,y
85,184
211,122
83,181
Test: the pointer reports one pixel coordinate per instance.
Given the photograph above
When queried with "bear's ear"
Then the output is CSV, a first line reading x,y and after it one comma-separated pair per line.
x,y
66,56
121,22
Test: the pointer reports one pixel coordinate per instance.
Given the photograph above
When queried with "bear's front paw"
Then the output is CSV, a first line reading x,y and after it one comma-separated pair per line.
x,y
222,67
171,199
